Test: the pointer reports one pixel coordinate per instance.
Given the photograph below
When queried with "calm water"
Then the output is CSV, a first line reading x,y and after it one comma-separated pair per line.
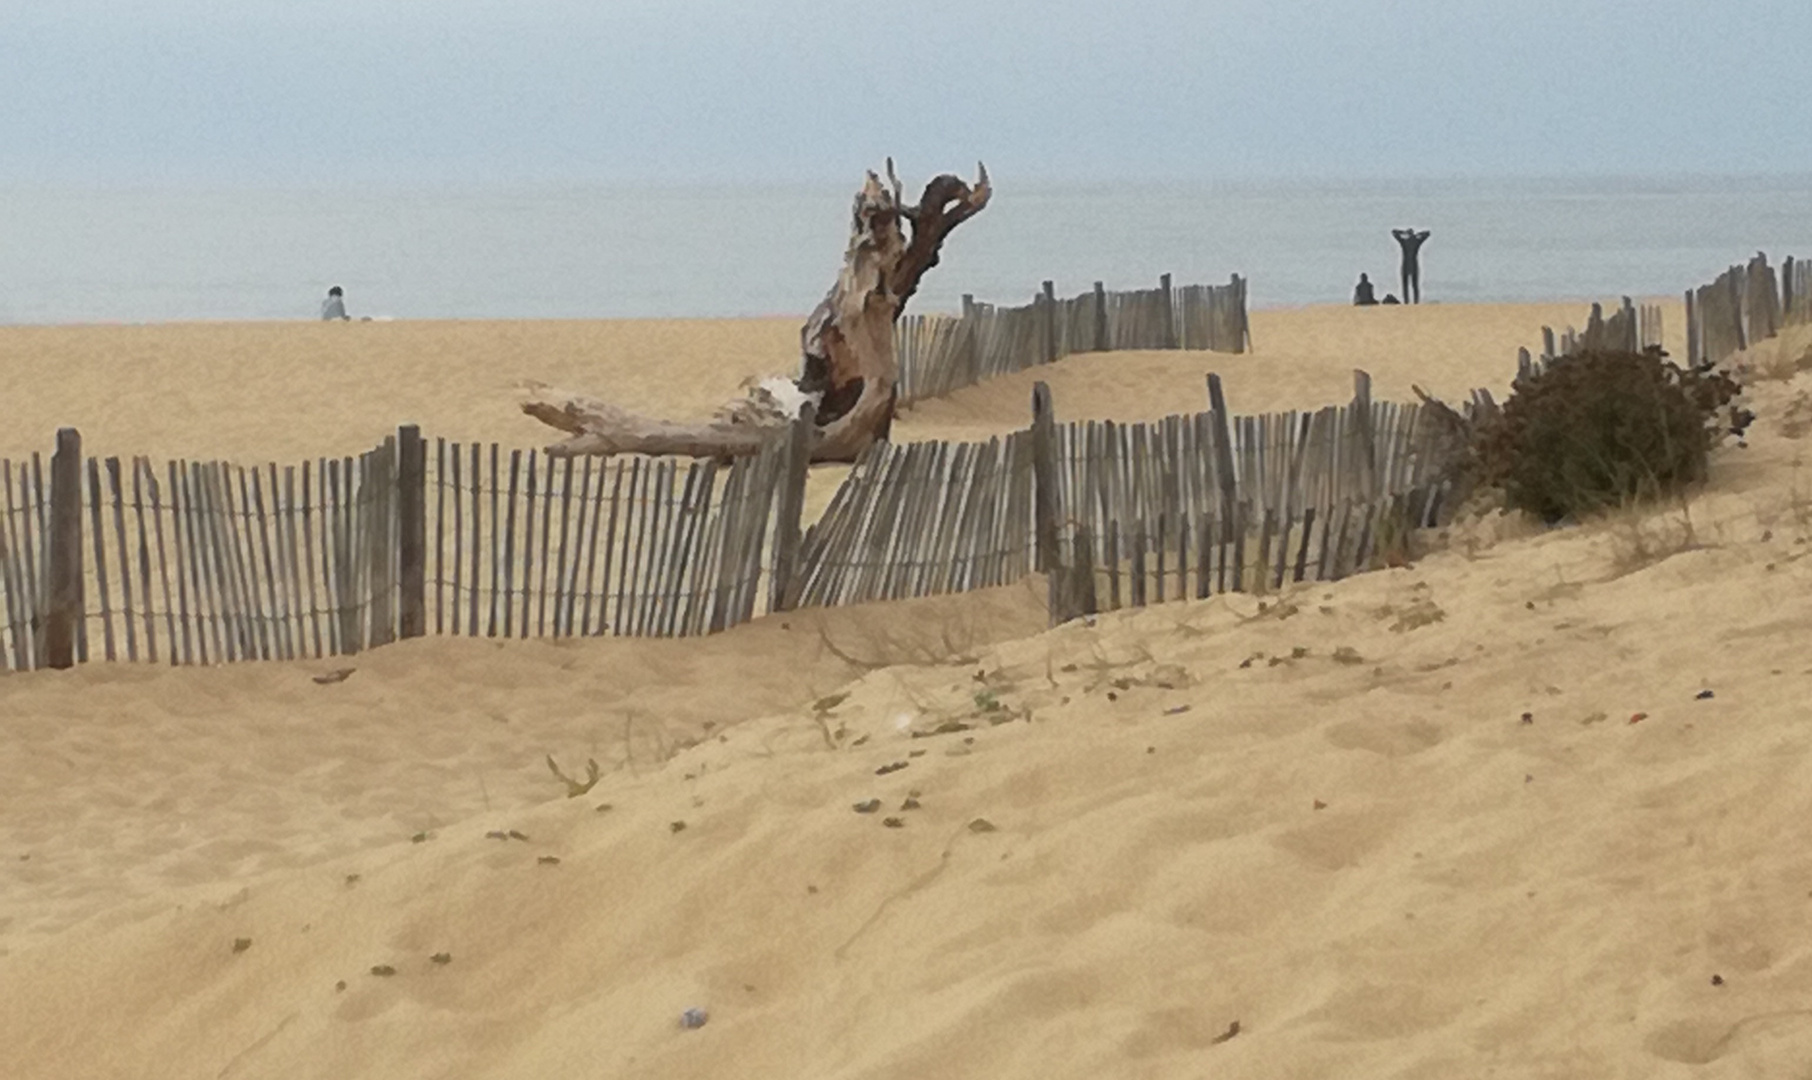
x,y
548,252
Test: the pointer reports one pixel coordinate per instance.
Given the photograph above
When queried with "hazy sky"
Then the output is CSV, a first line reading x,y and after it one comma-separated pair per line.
x,y
140,91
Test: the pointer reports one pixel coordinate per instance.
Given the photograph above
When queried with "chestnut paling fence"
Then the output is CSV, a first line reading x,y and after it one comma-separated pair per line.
x,y
1745,305
941,353
206,562
191,562
1631,328
1127,514
202,562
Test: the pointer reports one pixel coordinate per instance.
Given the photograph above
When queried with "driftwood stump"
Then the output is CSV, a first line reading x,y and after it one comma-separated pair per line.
x,y
848,367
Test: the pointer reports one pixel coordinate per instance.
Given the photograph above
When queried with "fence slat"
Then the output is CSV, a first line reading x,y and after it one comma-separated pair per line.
x,y
97,526
19,612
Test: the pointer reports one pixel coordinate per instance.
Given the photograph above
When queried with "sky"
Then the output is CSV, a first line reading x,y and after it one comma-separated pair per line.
x,y
137,92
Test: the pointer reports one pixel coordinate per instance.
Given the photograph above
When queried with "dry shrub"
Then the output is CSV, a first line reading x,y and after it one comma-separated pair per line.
x,y
1596,430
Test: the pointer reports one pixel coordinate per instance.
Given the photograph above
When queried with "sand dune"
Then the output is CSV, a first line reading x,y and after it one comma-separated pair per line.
x,y
1319,816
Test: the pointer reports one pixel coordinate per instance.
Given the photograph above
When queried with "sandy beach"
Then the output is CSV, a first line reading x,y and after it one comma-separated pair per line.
x,y
1525,808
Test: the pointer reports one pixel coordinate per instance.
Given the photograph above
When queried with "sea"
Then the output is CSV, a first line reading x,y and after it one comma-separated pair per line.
x,y
155,254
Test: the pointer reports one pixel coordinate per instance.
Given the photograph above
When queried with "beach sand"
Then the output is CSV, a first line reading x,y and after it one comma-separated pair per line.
x,y
1302,835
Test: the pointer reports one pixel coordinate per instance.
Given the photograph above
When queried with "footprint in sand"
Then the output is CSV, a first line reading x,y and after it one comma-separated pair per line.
x,y
1770,1044
1389,738
1337,842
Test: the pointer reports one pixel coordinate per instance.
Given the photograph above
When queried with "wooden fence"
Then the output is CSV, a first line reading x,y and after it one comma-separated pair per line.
x,y
1796,293
941,353
920,519
1204,502
1631,328
24,548
1745,305
537,546
208,562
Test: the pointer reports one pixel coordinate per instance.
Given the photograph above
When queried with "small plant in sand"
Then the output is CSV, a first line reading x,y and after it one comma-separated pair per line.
x,y
821,715
575,788
1640,538
1594,431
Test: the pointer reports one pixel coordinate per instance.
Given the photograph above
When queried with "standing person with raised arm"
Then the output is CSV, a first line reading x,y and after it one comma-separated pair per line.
x,y
1411,242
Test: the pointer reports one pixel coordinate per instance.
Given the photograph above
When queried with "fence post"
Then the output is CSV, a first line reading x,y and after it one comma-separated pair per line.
x,y
1044,477
789,508
1735,290
412,531
1223,467
63,557
1047,324
1169,309
1693,349
1242,342
1101,339
1368,438
1062,598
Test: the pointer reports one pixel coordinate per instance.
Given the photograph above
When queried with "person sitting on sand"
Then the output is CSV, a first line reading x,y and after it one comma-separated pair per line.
x,y
1362,293
334,307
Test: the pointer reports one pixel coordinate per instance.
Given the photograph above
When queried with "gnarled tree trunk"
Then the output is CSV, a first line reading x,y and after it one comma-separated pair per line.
x,y
848,363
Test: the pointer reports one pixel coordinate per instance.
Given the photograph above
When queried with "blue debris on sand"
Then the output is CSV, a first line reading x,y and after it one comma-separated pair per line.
x,y
693,1018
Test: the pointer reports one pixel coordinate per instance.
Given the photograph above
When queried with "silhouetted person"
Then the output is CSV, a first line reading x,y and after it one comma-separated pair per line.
x,y
334,307
1411,243
1363,296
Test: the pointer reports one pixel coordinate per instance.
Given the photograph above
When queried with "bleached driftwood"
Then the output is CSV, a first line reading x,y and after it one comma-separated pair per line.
x,y
848,367
738,429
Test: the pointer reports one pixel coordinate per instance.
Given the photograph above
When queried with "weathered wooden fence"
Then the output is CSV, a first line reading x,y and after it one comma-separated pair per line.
x,y
941,353
1631,328
24,548
1796,293
207,562
1183,506
919,519
527,545
1745,305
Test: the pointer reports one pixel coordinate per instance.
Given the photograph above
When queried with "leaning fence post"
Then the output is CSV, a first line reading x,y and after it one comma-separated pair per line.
x,y
412,531
63,558
790,507
1223,450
